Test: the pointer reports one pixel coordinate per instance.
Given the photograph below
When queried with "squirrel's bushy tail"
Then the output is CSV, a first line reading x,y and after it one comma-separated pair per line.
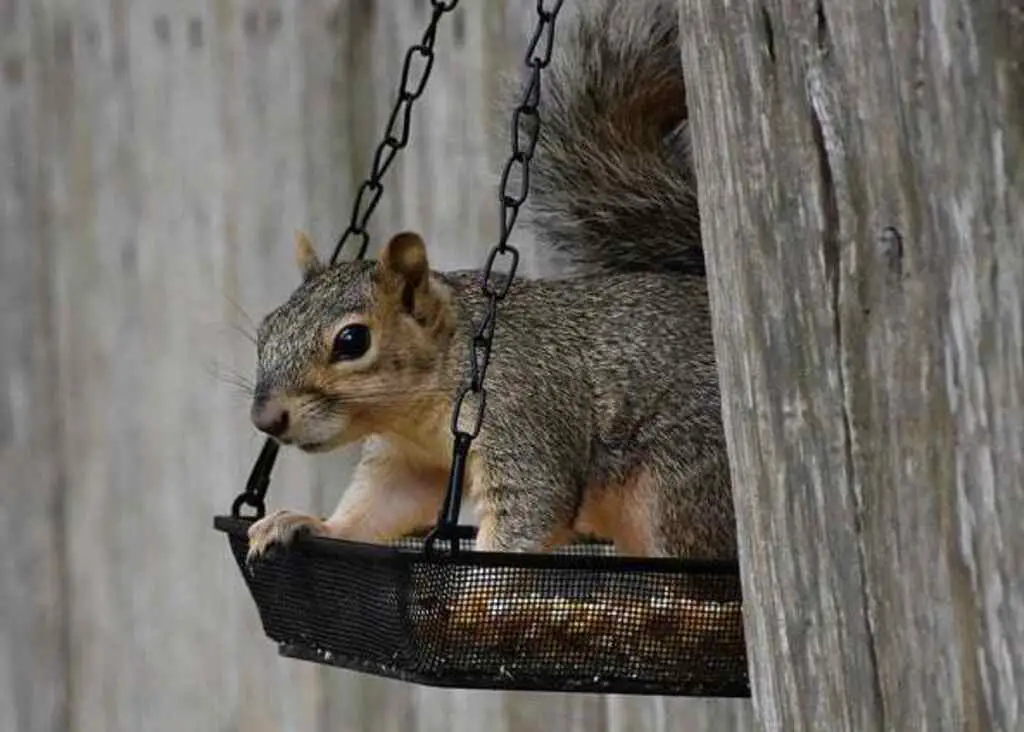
x,y
611,183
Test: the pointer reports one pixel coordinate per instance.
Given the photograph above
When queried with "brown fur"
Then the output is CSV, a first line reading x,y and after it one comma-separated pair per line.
x,y
625,513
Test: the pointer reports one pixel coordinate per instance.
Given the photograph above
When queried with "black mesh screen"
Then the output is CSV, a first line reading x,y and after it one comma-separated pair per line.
x,y
581,619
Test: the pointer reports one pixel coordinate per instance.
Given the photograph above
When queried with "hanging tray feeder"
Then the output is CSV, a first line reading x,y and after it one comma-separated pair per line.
x,y
434,611
580,620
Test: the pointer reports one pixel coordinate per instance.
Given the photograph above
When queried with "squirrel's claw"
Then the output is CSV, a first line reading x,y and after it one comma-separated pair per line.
x,y
279,529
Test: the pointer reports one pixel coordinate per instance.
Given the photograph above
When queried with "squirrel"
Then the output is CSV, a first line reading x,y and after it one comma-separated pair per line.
x,y
603,415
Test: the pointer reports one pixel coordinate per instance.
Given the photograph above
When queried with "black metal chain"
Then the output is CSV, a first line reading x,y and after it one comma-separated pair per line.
x,y
523,141
396,136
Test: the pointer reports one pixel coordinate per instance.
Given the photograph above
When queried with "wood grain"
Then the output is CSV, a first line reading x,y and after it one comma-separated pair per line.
x,y
34,643
863,166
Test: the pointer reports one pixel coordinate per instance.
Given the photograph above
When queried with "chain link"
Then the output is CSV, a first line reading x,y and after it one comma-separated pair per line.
x,y
396,136
524,133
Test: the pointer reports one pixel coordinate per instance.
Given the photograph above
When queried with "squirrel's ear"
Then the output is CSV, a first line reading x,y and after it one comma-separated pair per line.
x,y
305,256
404,263
406,256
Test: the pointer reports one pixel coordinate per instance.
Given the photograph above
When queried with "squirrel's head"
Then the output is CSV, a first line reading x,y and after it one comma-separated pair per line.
x,y
355,350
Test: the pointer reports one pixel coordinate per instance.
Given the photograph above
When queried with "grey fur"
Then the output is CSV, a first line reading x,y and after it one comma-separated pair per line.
x,y
592,379
602,379
607,184
288,339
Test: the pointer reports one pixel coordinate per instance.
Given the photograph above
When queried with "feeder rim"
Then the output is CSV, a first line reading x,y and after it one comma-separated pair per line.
x,y
324,545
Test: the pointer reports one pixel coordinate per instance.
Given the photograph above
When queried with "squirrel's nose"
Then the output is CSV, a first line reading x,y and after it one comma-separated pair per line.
x,y
270,417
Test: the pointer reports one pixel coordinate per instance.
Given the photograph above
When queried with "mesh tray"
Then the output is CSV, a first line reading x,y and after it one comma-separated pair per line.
x,y
581,620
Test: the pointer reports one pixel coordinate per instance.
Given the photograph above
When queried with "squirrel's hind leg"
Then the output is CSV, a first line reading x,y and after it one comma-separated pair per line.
x,y
690,507
524,505
625,512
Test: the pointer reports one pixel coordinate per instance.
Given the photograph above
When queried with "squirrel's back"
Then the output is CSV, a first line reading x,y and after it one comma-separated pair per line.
x,y
612,185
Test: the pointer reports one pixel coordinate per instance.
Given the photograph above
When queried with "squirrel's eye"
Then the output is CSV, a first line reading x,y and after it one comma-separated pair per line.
x,y
351,342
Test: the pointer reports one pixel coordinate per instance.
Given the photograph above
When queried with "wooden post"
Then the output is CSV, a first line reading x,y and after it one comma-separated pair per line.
x,y
861,171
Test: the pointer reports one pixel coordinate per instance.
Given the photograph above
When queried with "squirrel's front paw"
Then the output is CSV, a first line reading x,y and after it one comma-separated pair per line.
x,y
280,527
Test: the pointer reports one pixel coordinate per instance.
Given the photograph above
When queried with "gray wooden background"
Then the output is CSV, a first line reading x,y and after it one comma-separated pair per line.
x,y
155,158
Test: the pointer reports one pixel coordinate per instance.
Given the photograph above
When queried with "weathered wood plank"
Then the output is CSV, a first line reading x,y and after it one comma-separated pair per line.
x,y
33,599
864,166
154,198
659,714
